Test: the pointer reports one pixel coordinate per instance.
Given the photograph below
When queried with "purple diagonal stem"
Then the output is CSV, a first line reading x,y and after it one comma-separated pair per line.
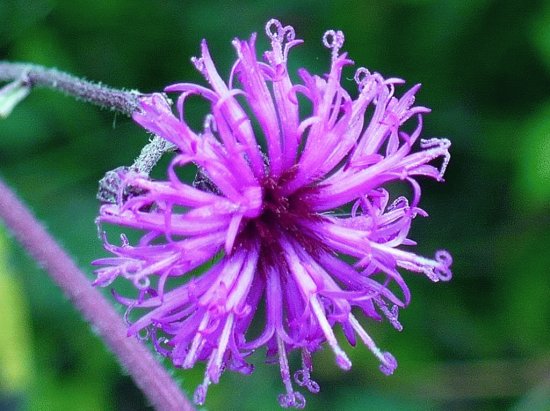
x,y
153,380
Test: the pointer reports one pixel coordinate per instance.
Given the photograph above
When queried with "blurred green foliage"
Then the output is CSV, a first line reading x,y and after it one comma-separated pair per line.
x,y
479,342
15,350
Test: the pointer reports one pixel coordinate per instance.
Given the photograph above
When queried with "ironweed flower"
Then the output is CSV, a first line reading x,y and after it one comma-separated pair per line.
x,y
285,213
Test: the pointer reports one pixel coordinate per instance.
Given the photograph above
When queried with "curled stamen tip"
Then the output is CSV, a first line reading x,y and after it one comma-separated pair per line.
x,y
274,29
313,387
290,33
293,399
361,77
399,203
443,274
333,39
158,345
142,282
303,379
443,271
389,364
444,257
126,316
143,335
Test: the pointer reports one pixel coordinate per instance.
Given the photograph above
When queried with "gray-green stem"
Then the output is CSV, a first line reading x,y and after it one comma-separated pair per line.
x,y
126,102
95,93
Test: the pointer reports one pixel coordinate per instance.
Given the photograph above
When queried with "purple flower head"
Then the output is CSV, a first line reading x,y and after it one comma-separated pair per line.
x,y
285,213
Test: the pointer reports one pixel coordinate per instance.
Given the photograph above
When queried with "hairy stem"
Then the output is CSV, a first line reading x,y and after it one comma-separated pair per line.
x,y
95,93
126,102
151,154
112,187
153,380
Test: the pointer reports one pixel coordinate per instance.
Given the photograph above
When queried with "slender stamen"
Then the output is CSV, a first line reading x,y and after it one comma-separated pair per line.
x,y
388,361
341,357
291,398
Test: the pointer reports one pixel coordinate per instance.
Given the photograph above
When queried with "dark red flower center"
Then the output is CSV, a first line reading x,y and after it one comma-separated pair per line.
x,y
281,215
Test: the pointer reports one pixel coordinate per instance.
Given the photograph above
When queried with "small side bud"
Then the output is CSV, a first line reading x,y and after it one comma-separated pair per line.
x,y
113,187
11,95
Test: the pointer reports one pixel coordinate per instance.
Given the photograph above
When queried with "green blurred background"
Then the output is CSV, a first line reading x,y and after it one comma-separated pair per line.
x,y
480,342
